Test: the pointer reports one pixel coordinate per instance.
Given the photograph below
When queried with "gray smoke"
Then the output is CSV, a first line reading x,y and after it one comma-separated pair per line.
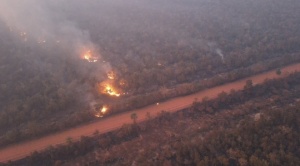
x,y
41,22
47,23
214,48
219,52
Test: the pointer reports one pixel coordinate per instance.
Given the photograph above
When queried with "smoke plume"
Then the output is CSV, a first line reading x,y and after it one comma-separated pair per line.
x,y
44,22
219,52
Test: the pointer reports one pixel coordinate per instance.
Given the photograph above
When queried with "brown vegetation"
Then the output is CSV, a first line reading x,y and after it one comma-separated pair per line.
x,y
255,126
42,91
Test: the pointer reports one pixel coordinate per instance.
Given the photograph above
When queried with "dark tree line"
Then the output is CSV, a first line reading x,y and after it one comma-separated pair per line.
x,y
264,132
164,55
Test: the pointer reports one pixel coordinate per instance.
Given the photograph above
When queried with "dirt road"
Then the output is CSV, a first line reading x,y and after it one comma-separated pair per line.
x,y
21,150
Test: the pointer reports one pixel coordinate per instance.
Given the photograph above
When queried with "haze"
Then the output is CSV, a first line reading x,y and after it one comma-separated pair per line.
x,y
86,67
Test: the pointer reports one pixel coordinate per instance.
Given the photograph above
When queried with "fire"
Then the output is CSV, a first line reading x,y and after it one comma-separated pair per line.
x,y
101,113
122,82
89,57
104,110
111,75
41,41
108,88
23,35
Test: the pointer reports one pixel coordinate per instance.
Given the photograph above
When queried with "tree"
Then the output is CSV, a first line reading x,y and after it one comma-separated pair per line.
x,y
69,140
249,84
222,96
278,71
133,116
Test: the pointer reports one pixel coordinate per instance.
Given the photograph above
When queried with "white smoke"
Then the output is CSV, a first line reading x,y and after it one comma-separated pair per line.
x,y
219,52
43,22
214,48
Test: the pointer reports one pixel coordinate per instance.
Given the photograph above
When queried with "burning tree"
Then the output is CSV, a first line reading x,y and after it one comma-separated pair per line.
x,y
89,57
108,88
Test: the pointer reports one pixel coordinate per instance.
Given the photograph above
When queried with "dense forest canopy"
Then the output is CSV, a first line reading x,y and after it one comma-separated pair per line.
x,y
254,126
149,46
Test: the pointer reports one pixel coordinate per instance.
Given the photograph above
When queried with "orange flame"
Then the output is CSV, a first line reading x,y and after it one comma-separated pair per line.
x,y
110,90
102,112
107,88
88,56
111,75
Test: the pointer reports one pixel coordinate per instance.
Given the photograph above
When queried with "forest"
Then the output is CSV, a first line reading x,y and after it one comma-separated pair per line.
x,y
155,50
258,125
